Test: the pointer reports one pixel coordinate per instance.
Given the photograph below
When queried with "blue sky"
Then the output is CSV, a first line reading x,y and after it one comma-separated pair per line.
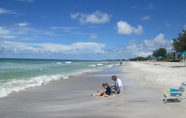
x,y
88,29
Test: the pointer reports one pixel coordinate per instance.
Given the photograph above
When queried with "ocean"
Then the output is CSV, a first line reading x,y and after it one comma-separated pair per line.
x,y
19,74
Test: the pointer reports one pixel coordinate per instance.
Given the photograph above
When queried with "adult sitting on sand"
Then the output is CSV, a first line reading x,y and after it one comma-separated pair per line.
x,y
104,93
118,85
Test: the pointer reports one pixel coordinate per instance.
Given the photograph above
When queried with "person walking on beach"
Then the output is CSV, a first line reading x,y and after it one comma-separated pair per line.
x,y
120,62
104,93
117,86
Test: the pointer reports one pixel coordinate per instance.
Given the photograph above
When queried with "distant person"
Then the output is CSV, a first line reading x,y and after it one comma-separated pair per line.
x,y
121,62
117,86
104,93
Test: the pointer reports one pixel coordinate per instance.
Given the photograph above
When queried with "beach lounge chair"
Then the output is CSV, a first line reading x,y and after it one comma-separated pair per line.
x,y
174,94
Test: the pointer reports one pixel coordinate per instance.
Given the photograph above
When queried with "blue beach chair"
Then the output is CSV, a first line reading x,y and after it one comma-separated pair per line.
x,y
174,94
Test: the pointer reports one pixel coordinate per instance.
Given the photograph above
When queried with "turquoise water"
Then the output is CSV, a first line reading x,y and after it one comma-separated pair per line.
x,y
19,74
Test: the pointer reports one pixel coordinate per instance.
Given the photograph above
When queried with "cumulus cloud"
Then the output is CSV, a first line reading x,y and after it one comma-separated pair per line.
x,y
138,30
146,47
89,50
93,36
158,40
145,18
126,29
94,18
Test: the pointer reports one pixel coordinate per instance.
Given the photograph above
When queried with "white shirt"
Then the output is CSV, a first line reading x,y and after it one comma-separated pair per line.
x,y
118,83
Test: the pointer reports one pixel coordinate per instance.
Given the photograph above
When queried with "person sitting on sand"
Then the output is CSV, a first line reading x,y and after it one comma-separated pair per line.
x,y
104,93
118,85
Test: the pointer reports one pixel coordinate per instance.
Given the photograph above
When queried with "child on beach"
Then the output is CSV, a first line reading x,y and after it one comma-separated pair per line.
x,y
104,93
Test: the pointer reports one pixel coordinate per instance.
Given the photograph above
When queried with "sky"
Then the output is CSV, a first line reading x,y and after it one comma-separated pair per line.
x,y
88,29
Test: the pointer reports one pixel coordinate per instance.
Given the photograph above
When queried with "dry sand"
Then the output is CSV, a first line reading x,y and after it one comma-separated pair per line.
x,y
71,98
170,74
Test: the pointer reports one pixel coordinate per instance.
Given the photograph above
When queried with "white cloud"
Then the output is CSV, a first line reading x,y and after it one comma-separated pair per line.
x,y
84,50
15,46
4,11
9,37
149,43
126,29
51,47
145,18
157,41
94,18
138,30
160,39
3,31
23,24
97,47
93,36
148,46
74,16
5,34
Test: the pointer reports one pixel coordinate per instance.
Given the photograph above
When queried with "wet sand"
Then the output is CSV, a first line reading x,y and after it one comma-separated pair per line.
x,y
71,98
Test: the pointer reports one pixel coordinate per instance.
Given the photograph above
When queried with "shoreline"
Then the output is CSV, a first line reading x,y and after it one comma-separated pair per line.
x,y
17,75
69,98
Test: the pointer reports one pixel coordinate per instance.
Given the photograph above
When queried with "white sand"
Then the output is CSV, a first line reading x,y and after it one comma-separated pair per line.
x,y
70,98
164,73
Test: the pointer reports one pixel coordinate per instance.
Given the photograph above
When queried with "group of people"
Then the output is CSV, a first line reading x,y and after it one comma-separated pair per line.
x,y
110,90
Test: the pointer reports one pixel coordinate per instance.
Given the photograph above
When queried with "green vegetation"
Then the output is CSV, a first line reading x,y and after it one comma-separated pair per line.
x,y
160,52
139,59
179,43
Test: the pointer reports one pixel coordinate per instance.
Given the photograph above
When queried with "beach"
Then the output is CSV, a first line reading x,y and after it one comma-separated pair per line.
x,y
143,86
162,73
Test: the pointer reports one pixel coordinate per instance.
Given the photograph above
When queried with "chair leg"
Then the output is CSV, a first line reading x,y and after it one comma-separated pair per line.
x,y
184,96
165,101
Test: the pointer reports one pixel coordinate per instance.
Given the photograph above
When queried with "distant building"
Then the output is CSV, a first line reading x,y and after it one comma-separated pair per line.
x,y
173,56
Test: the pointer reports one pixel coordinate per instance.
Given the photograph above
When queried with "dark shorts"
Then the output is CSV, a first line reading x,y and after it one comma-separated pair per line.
x,y
101,94
117,93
